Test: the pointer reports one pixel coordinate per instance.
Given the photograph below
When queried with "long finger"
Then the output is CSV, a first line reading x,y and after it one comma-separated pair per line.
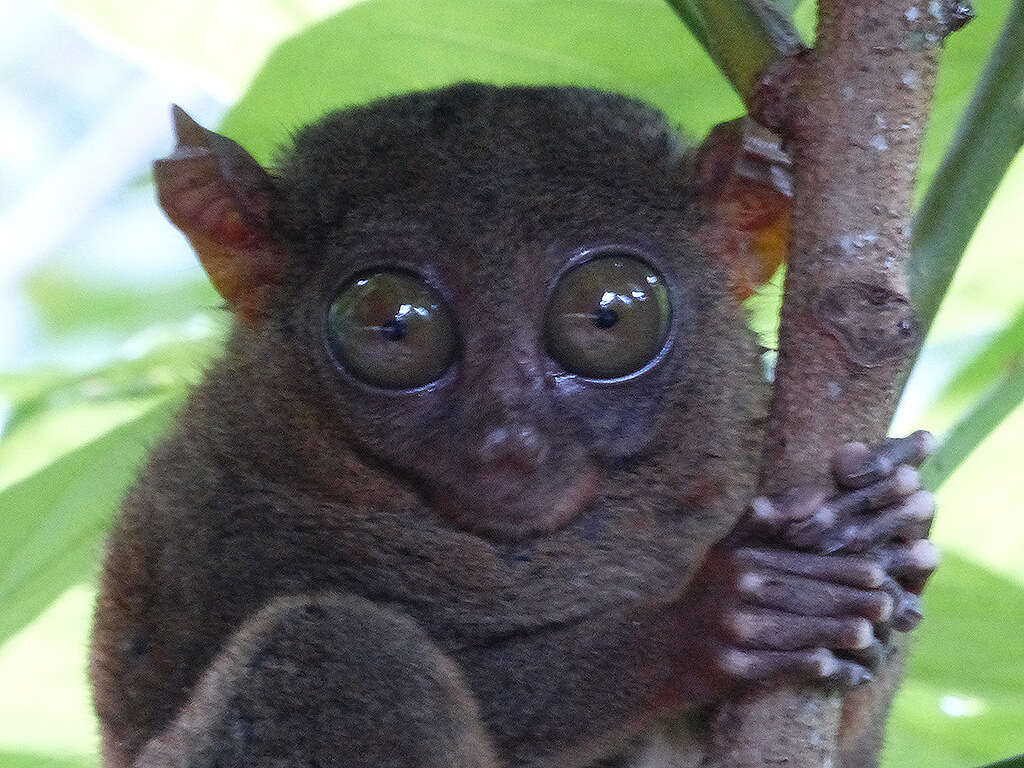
x,y
818,530
857,465
909,521
808,665
841,569
767,630
808,597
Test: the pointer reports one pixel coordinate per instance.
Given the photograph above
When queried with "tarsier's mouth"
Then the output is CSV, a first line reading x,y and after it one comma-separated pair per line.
x,y
513,469
507,501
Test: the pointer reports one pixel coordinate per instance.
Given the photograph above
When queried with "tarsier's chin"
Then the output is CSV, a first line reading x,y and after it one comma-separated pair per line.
x,y
507,500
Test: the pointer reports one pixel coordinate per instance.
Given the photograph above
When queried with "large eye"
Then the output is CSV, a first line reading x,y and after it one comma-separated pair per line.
x,y
609,317
390,329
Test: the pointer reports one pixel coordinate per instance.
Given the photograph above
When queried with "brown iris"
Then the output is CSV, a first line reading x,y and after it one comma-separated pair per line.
x,y
390,329
609,317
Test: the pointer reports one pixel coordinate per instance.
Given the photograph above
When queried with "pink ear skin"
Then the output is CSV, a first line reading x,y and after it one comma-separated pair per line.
x,y
747,186
220,198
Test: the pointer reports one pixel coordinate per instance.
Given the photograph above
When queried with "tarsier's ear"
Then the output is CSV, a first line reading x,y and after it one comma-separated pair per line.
x,y
220,198
746,183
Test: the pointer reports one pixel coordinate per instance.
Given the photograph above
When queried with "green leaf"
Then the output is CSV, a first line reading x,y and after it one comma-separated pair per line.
x,y
986,415
158,360
746,37
987,140
743,37
67,304
17,387
965,63
29,760
45,668
963,698
1012,762
381,47
54,519
1003,356
693,17
979,505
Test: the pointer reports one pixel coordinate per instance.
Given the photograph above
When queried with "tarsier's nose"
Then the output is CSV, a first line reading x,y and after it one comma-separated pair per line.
x,y
515,446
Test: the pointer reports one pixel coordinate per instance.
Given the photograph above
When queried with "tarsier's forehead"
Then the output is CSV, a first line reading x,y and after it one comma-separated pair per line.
x,y
480,168
472,130
474,116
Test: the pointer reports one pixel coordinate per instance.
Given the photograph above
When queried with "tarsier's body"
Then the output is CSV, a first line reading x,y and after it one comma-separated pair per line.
x,y
494,548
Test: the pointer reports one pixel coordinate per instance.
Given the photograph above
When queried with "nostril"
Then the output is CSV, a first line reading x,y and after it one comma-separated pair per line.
x,y
515,444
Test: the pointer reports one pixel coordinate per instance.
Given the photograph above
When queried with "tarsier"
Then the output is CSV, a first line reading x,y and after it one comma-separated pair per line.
x,y
468,487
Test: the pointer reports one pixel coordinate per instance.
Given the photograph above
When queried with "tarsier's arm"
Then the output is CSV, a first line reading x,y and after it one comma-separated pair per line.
x,y
766,605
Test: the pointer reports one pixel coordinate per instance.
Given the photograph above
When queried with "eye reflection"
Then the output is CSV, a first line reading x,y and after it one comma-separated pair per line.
x,y
390,329
609,317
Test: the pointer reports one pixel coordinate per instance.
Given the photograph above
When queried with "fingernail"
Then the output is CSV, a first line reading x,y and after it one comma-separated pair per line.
x,y
909,614
863,678
838,541
926,443
907,620
831,546
762,509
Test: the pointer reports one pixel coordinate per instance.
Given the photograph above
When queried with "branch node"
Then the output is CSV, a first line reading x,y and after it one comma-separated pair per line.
x,y
774,102
873,324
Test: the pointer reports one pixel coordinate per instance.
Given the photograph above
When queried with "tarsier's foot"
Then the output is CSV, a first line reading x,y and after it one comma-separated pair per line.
x,y
825,611
330,681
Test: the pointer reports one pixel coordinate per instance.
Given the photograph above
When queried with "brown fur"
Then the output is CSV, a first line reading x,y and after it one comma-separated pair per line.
x,y
284,477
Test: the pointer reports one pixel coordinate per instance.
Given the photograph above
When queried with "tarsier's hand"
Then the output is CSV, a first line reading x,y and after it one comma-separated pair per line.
x,y
813,582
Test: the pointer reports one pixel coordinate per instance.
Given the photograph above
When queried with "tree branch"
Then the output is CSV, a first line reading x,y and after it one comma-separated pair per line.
x,y
855,110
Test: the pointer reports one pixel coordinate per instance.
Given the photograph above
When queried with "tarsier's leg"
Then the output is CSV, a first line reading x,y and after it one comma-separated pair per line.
x,y
326,681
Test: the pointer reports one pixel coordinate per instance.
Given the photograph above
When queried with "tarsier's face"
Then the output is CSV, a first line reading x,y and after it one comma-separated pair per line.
x,y
496,317
507,400
494,292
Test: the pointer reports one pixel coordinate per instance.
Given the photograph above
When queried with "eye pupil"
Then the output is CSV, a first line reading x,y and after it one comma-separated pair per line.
x,y
395,329
390,329
605,317
608,317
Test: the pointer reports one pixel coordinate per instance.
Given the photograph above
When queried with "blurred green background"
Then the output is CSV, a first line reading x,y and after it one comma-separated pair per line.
x,y
107,319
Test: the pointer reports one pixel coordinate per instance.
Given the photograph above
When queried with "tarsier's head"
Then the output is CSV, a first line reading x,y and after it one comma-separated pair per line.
x,y
494,292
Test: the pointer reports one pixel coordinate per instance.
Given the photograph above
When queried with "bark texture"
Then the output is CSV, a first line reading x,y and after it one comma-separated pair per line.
x,y
854,109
